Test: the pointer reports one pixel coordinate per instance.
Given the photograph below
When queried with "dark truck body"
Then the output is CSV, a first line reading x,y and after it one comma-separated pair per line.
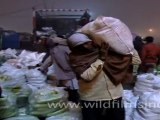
x,y
63,21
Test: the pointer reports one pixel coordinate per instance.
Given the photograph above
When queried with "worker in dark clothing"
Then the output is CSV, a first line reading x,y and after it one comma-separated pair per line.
x,y
138,44
59,55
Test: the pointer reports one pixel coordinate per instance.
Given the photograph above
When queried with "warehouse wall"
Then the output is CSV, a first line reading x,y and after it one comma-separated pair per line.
x,y
138,15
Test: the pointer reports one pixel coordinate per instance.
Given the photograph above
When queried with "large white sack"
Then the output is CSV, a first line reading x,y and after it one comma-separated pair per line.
x,y
35,74
130,103
148,107
112,31
17,75
35,79
146,83
28,58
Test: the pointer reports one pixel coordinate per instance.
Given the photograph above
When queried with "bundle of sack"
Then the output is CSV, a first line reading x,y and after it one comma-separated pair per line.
x,y
8,106
35,79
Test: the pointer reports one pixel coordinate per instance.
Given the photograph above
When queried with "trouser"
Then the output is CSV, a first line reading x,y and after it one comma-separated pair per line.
x,y
73,95
71,88
103,110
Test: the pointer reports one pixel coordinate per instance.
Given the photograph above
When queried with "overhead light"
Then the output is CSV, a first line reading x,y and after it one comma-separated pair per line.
x,y
150,30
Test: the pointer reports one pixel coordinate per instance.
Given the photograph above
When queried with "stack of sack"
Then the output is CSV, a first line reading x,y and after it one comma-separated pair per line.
x,y
146,83
21,91
23,60
148,107
13,80
147,88
47,102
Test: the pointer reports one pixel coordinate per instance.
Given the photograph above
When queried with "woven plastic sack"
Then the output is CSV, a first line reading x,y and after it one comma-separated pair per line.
x,y
35,78
15,74
146,83
112,31
28,58
8,105
41,102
